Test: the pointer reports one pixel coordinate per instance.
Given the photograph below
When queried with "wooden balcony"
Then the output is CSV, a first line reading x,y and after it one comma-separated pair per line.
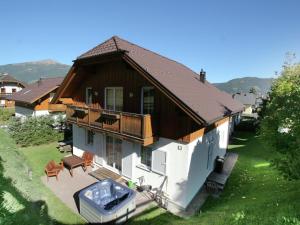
x,y
57,107
5,95
136,127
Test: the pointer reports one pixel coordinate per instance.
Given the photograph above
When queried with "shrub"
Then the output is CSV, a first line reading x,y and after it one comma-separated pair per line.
x,y
280,126
5,115
33,131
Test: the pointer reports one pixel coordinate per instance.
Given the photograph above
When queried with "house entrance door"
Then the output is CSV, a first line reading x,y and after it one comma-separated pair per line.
x,y
114,153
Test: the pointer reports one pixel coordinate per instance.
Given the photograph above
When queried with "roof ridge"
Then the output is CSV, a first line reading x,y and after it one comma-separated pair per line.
x,y
157,54
114,39
109,39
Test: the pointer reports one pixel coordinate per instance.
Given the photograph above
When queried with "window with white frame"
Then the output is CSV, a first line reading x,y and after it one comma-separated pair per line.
x,y
89,137
146,156
114,98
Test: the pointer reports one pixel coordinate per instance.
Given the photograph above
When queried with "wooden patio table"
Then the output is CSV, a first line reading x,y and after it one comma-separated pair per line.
x,y
73,161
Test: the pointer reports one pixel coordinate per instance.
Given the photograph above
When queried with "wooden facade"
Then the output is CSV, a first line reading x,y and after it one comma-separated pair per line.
x,y
168,120
44,103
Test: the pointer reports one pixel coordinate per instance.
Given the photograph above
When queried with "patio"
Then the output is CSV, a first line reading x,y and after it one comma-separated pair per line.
x,y
67,189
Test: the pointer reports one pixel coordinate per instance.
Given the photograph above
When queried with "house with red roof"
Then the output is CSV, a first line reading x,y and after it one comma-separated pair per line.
x,y
147,118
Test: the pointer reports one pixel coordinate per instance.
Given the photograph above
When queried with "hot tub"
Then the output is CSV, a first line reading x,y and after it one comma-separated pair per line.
x,y
106,201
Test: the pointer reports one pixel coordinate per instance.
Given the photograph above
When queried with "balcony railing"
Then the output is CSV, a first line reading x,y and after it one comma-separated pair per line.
x,y
130,125
5,95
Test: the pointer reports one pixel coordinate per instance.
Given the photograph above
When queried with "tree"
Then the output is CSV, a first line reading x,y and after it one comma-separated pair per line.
x,y
253,90
280,126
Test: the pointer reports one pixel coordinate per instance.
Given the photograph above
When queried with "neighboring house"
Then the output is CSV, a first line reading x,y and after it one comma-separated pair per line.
x,y
248,100
35,98
147,118
8,86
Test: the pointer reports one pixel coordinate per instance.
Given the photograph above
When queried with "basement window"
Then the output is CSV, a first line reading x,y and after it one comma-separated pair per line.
x,y
146,156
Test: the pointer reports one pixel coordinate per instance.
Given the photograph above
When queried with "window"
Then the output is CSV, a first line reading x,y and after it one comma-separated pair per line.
x,y
89,96
147,100
114,98
89,137
146,156
14,90
114,152
3,90
159,162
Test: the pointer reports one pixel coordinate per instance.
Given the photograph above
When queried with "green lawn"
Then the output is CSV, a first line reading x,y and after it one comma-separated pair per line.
x,y
255,193
25,201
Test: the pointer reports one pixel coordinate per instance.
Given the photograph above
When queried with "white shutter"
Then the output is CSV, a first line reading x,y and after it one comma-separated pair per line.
x,y
159,162
127,159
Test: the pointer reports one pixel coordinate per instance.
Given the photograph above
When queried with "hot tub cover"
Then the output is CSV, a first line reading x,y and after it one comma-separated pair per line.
x,y
107,196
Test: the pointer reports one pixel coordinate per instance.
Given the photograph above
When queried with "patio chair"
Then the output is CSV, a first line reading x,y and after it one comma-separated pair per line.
x,y
88,159
52,169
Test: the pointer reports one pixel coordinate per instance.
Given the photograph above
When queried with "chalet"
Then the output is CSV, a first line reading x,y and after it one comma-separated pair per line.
x,y
35,98
148,118
8,86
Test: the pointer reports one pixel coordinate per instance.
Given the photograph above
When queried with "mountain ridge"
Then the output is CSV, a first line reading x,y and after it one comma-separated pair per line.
x,y
31,71
244,84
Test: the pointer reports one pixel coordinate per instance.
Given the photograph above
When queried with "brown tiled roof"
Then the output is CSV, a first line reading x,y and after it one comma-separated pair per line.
x,y
208,102
6,78
37,90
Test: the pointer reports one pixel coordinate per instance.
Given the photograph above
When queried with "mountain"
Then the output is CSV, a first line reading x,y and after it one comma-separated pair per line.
x,y
32,71
262,85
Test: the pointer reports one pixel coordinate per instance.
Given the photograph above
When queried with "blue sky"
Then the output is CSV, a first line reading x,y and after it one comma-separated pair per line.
x,y
228,39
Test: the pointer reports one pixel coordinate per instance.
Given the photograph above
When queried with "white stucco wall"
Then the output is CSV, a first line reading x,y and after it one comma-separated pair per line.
x,y
9,87
186,164
248,109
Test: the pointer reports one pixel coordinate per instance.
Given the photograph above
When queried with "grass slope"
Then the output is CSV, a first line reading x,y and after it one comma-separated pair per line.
x,y
255,193
25,201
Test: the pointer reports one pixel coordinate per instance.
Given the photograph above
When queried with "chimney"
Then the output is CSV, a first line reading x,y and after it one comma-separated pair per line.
x,y
39,81
202,76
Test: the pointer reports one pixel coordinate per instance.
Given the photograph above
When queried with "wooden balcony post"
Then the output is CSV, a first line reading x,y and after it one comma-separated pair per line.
x,y
121,125
89,115
142,128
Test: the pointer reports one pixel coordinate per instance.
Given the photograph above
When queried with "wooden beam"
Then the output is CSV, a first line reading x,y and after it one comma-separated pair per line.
x,y
66,82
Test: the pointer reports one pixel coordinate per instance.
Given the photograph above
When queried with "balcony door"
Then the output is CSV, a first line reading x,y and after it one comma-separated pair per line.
x,y
114,153
114,98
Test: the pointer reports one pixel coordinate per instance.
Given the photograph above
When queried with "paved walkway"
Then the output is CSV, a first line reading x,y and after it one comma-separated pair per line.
x,y
67,189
